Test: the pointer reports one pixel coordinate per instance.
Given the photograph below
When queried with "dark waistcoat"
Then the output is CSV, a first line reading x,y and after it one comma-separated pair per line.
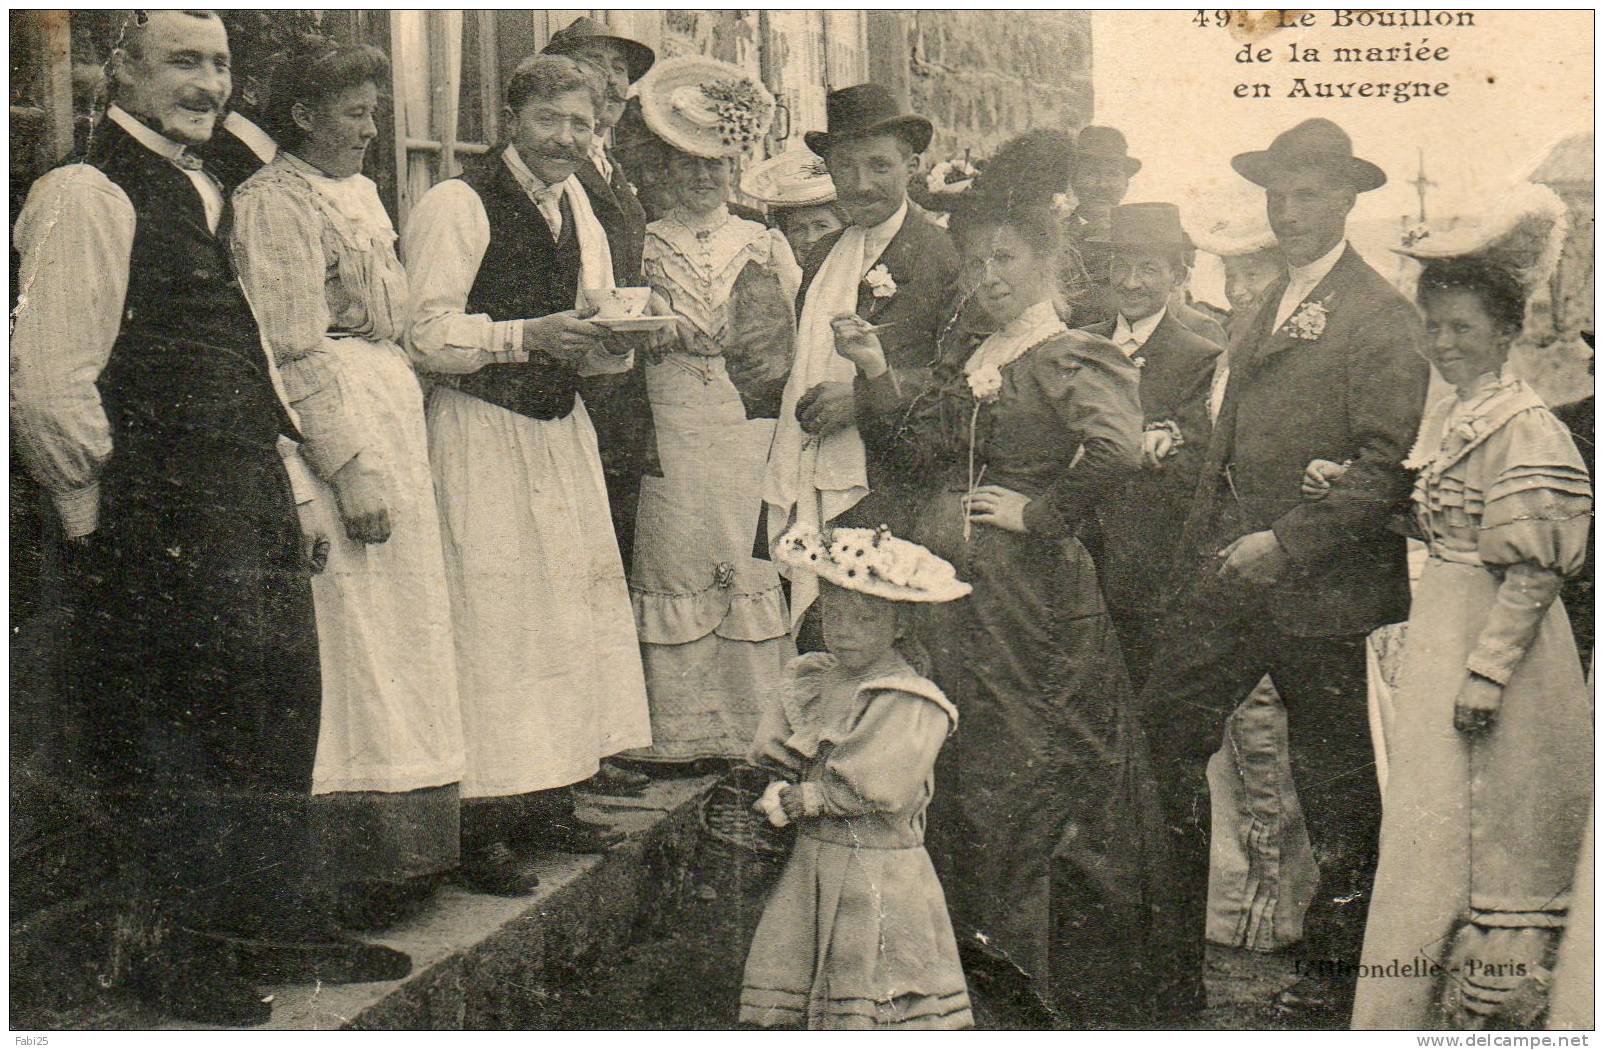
x,y
188,356
524,274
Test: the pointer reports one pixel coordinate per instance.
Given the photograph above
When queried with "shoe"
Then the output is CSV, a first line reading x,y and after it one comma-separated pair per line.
x,y
498,871
575,835
332,959
376,905
616,780
1318,1001
194,980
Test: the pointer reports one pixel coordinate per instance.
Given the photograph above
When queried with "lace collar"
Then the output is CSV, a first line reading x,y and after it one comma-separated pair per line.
x,y
1010,342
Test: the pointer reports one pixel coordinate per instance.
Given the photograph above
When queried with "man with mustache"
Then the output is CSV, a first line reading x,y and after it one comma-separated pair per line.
x,y
1279,585
892,266
145,406
1100,174
549,669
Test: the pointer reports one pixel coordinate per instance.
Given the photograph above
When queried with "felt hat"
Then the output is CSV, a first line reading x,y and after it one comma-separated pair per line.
x,y
637,56
705,107
1523,232
1154,225
1317,142
867,109
796,178
871,561
1106,145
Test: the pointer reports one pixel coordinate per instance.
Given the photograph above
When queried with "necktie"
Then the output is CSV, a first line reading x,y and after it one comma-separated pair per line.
x,y
186,160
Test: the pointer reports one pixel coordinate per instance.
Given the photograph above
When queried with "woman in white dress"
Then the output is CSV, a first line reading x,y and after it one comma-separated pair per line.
x,y
711,617
316,256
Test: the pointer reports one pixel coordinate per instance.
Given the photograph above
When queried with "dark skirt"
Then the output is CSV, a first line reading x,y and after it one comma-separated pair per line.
x,y
384,836
1045,824
196,659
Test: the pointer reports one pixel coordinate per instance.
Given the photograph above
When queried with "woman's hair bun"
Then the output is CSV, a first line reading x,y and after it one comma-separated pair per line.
x,y
1028,170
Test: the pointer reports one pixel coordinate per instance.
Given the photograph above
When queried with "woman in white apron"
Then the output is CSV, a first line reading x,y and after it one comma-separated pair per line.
x,y
316,255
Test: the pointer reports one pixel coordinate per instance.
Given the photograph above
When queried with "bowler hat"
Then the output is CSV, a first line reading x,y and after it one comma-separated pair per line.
x,y
637,56
867,109
1314,143
1155,225
1097,143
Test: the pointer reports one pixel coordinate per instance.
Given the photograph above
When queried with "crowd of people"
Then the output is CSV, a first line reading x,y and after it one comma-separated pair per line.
x,y
957,517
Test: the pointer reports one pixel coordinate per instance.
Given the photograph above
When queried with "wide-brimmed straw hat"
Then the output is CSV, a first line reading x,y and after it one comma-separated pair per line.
x,y
637,56
1523,232
867,109
871,561
705,107
794,179
1314,143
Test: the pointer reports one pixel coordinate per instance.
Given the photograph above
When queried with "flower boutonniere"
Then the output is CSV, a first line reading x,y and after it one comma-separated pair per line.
x,y
1308,322
880,282
985,383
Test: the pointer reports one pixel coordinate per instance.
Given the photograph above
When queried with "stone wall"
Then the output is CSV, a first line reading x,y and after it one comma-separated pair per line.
x,y
985,76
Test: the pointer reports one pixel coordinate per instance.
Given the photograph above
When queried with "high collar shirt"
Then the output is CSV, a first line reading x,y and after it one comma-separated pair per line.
x,y
211,194
877,238
598,157
1132,337
1302,280
548,198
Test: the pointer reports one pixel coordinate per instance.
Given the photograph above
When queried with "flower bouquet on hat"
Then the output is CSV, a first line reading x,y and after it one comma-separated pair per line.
x,y
871,561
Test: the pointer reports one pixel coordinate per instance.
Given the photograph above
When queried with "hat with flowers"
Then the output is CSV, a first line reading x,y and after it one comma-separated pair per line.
x,y
871,561
705,107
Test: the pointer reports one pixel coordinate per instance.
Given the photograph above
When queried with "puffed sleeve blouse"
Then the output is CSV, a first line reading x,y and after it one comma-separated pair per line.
x,y
1507,489
316,257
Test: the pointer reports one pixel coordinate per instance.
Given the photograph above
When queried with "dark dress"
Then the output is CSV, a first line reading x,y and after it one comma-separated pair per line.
x,y
1045,827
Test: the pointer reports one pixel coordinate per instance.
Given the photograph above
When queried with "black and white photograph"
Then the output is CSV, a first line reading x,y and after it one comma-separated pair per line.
x,y
1015,520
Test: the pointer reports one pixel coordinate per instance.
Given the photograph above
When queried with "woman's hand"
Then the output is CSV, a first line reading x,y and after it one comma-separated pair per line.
x,y
1476,706
359,493
1318,476
996,506
855,340
791,802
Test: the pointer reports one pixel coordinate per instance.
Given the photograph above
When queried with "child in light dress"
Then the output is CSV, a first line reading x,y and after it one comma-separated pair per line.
x,y
856,933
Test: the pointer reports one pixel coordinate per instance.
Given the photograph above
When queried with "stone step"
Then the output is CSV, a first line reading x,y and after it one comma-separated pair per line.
x,y
479,962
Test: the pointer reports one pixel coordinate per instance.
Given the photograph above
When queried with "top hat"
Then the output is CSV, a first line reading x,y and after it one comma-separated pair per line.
x,y
796,178
1317,143
705,107
1098,143
637,56
867,109
1155,225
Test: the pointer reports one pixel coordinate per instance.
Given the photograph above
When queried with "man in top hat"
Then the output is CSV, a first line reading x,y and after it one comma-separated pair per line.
x,y
144,404
1275,584
1100,174
1139,531
892,266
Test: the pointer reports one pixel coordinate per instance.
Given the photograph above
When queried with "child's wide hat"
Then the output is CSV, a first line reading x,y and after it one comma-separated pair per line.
x,y
871,561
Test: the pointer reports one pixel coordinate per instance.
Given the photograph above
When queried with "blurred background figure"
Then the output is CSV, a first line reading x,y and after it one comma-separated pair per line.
x,y
796,188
